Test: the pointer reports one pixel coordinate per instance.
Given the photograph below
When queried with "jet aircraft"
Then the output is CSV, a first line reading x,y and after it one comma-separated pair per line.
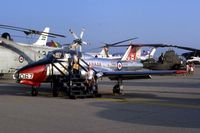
x,y
56,68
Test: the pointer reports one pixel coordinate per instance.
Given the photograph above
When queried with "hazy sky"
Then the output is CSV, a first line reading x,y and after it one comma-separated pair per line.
x,y
153,21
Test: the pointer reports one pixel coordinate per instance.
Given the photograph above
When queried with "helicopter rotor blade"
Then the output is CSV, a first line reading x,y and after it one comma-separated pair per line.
x,y
29,31
113,44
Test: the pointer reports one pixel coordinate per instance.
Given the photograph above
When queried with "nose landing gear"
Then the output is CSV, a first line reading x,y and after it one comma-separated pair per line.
x,y
34,91
118,88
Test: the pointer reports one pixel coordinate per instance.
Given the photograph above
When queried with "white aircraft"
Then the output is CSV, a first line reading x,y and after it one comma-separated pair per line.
x,y
133,52
194,59
104,53
15,55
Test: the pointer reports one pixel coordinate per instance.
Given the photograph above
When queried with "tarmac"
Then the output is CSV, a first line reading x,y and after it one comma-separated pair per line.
x,y
167,104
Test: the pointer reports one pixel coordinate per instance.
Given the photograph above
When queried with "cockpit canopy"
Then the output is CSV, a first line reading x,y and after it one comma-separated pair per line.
x,y
61,54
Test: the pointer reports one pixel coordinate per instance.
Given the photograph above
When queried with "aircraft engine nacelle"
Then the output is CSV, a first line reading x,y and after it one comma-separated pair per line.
x,y
33,76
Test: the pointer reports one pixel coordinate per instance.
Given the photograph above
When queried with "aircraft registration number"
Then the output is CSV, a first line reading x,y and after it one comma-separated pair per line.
x,y
26,76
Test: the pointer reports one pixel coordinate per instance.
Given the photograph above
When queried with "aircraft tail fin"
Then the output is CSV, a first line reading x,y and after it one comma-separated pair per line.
x,y
132,53
148,54
104,52
43,38
152,52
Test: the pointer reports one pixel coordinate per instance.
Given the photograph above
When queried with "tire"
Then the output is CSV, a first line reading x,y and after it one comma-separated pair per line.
x,y
116,89
34,91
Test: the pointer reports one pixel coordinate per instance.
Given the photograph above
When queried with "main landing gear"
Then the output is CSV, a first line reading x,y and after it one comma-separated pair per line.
x,y
118,88
34,91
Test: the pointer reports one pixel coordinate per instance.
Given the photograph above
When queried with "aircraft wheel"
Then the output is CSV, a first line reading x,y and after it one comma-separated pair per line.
x,y
34,91
116,89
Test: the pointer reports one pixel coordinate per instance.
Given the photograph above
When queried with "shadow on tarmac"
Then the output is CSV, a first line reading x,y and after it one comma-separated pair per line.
x,y
150,109
153,83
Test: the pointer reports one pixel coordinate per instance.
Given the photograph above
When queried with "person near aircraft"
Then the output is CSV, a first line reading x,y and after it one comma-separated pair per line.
x,y
75,65
89,80
89,75
161,58
187,68
191,68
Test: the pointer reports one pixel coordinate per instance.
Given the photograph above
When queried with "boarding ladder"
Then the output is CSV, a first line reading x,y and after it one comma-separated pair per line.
x,y
72,84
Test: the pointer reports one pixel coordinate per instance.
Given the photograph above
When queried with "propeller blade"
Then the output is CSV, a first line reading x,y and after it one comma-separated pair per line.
x,y
82,32
75,36
83,42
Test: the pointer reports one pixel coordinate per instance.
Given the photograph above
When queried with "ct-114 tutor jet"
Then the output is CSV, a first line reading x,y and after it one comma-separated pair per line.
x,y
56,68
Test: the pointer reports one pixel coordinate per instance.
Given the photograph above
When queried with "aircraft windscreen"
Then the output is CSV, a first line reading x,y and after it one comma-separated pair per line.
x,y
58,55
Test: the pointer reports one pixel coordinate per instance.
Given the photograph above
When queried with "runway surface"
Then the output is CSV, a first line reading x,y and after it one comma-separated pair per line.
x,y
169,104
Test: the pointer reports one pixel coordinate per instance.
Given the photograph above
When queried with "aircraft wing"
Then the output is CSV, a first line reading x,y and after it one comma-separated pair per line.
x,y
124,75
